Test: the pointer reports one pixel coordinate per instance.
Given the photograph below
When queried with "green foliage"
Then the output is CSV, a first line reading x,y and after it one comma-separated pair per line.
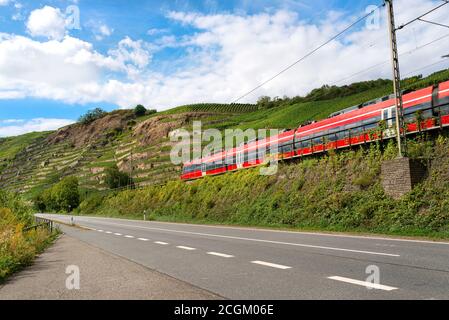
x,y
91,116
116,179
21,209
17,248
63,196
140,110
234,108
341,192
266,103
9,147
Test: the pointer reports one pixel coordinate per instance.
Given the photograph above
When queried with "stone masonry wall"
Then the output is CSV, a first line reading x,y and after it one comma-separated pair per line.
x,y
399,176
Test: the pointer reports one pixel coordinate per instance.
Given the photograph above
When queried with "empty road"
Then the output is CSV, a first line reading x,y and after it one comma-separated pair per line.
x,y
244,263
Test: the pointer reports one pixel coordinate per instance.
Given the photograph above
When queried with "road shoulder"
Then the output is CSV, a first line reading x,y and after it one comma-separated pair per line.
x,y
102,276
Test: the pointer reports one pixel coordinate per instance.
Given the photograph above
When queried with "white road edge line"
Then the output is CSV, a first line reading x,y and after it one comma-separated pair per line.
x,y
223,255
143,239
272,265
161,243
186,248
362,237
256,240
363,283
129,237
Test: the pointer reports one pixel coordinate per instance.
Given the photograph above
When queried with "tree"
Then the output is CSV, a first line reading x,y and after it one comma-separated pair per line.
x,y
66,194
140,110
63,196
117,179
92,115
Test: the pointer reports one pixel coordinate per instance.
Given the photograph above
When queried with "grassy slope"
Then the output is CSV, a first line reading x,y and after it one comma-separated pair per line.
x,y
9,147
26,173
339,192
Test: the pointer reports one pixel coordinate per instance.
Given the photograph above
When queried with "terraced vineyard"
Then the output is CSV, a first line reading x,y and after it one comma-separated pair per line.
x,y
215,107
141,146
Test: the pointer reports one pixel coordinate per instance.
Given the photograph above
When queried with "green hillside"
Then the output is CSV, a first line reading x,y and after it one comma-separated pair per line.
x,y
337,192
141,145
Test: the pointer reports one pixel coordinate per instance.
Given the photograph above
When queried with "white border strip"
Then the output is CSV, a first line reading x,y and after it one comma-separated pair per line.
x,y
363,283
271,265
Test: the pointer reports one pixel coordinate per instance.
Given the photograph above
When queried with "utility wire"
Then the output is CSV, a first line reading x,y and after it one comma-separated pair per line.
x,y
434,23
423,15
387,61
308,54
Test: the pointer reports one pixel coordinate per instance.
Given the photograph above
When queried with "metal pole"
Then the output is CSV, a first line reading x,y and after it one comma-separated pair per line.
x,y
401,136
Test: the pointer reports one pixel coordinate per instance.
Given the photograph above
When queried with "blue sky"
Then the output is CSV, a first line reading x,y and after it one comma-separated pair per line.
x,y
166,53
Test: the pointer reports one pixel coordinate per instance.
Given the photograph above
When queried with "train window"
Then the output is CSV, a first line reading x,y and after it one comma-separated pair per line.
x,y
342,134
287,148
230,160
332,137
353,125
412,110
306,143
444,105
317,141
252,156
356,131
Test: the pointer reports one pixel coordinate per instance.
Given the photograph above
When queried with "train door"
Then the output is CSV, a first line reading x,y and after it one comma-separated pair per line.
x,y
240,158
389,116
204,169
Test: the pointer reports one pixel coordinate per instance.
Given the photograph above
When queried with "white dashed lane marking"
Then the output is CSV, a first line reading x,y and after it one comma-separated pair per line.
x,y
161,243
223,255
108,232
272,265
143,239
186,248
118,234
363,283
129,237
100,230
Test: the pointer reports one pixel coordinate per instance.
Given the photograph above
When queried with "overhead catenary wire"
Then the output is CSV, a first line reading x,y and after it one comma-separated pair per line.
x,y
309,53
445,2
434,23
387,61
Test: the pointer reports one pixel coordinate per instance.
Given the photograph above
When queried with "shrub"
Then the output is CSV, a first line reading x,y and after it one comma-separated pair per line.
x,y
17,248
63,196
140,111
117,179
92,115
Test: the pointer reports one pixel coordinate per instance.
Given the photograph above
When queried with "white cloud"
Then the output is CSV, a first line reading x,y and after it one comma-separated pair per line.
x,y
155,31
47,22
15,127
228,55
4,2
103,31
69,70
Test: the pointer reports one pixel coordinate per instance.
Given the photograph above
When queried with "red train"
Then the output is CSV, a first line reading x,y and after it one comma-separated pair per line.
x,y
357,125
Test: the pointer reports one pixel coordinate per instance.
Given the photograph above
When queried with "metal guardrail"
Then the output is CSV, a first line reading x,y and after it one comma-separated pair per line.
x,y
41,223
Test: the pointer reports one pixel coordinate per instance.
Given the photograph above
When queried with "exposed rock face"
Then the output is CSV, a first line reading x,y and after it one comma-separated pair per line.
x,y
157,128
80,135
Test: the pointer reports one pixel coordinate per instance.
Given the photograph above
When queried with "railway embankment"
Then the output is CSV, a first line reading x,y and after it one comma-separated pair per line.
x,y
342,191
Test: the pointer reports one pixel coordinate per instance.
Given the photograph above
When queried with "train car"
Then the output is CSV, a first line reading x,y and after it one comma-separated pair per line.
x,y
425,109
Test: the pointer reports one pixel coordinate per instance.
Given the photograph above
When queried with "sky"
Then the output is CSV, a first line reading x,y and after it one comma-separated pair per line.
x,y
61,58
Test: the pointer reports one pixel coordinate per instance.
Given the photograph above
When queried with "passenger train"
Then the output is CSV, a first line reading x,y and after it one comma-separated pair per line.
x,y
365,123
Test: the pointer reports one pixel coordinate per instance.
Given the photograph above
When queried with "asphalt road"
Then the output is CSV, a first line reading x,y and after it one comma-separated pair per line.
x,y
243,263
